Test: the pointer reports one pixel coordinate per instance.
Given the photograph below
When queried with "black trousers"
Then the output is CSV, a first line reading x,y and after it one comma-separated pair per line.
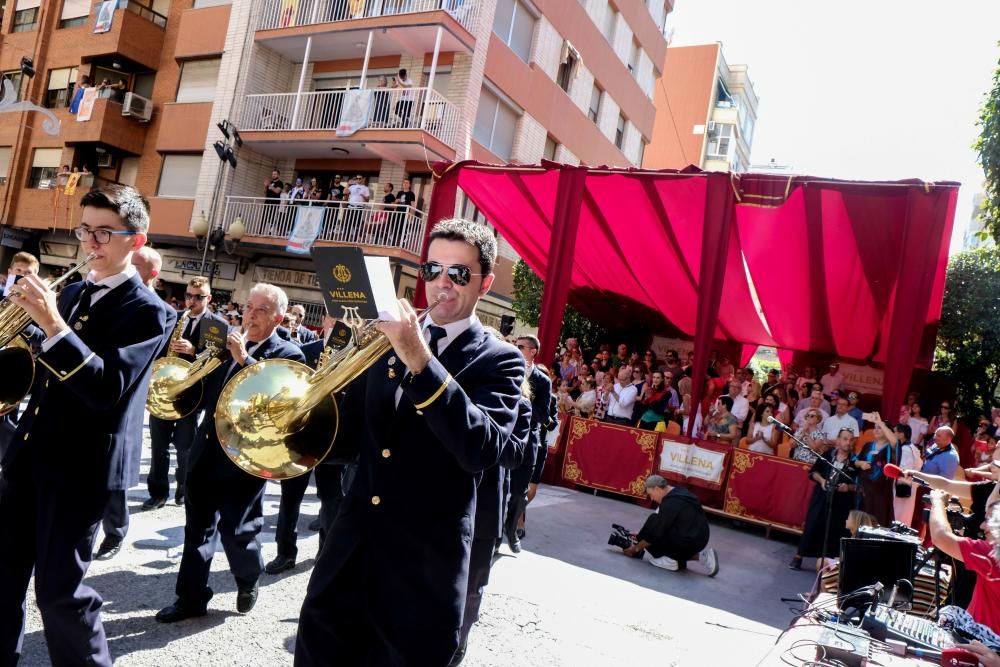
x,y
50,526
520,477
287,533
115,522
480,561
222,504
333,480
671,546
161,434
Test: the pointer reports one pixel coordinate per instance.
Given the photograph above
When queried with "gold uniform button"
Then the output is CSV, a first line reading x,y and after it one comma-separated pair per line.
x,y
26,435
386,453
376,500
420,412
36,410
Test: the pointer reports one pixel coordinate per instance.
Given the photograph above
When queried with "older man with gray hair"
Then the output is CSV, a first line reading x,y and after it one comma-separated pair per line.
x,y
676,536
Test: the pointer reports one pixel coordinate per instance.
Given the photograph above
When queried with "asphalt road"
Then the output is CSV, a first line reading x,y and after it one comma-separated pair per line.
x,y
567,599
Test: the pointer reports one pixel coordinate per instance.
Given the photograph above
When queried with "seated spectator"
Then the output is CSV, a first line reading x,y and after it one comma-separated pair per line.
x,y
587,400
583,373
740,405
622,357
941,458
564,402
876,488
815,402
764,437
676,536
722,425
811,433
654,399
833,424
771,383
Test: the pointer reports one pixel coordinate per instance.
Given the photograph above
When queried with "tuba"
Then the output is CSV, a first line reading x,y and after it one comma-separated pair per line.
x,y
175,387
277,419
16,359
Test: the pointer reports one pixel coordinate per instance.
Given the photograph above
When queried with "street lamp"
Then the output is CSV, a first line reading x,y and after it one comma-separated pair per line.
x,y
216,240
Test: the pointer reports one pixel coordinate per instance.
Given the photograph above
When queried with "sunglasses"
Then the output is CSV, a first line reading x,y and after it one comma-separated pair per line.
x,y
197,297
853,396
457,273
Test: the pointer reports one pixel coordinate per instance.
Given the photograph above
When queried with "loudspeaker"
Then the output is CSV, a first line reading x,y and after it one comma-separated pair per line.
x,y
863,562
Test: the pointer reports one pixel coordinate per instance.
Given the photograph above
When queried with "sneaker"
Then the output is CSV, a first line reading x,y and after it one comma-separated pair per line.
x,y
708,562
664,562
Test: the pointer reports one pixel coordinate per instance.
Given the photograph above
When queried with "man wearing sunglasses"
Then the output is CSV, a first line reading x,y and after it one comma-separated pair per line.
x,y
390,583
81,434
180,432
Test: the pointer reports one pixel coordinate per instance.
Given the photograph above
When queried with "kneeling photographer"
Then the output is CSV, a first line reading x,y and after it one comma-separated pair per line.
x,y
675,537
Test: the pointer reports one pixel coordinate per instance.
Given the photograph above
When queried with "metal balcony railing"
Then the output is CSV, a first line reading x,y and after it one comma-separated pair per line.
x,y
277,14
374,224
138,8
380,108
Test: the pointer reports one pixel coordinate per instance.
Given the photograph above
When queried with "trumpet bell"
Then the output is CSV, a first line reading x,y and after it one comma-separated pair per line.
x,y
255,424
19,373
162,401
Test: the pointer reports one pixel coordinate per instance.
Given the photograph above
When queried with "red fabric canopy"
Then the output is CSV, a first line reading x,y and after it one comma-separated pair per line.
x,y
848,269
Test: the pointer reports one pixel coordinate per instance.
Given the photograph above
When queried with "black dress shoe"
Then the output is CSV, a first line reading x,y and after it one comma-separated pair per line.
x,y
459,656
280,564
154,503
314,525
515,546
178,611
520,533
245,600
179,496
109,547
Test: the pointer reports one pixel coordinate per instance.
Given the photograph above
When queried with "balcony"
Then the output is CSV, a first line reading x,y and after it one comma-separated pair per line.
x,y
384,226
403,26
136,33
392,123
106,126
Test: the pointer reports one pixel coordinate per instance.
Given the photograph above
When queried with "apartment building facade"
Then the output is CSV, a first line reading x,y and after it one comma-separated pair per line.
x,y
233,90
706,111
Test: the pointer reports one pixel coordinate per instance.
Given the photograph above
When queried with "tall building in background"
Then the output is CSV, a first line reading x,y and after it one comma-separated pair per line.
x,y
706,110
972,238
216,94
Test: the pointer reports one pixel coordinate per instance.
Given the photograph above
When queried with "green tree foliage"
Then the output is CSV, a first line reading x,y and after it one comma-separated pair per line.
x,y
968,345
527,305
988,147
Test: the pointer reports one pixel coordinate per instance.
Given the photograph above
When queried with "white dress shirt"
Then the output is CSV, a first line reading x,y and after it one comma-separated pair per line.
x,y
452,330
621,407
110,282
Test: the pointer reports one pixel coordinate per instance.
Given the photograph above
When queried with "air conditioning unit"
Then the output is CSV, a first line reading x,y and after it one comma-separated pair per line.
x,y
105,160
137,107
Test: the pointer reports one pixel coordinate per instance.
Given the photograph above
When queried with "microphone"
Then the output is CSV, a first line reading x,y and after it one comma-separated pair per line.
x,y
895,472
780,425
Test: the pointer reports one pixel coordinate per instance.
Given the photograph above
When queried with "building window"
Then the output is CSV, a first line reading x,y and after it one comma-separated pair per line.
x,y
198,4
515,26
129,170
44,167
620,131
25,20
550,149
61,84
74,13
610,21
15,80
633,59
567,71
199,79
642,152
179,176
4,163
720,140
595,103
496,122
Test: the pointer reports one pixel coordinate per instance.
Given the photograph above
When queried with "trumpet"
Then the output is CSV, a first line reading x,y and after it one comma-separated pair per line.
x,y
16,359
277,419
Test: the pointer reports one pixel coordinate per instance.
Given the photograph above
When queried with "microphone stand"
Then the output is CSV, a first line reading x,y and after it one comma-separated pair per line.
x,y
832,474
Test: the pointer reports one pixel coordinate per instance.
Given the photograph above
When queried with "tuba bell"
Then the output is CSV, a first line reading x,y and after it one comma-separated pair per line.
x,y
175,386
16,359
277,419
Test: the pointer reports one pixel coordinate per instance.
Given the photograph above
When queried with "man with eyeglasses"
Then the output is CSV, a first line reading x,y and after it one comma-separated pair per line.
x,y
180,432
82,431
390,584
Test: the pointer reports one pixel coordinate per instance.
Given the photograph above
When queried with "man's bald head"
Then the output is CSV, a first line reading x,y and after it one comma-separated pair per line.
x,y
147,262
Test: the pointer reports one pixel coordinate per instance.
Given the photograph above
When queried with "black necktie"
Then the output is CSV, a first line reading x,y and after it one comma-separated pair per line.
x,y
86,300
437,333
189,329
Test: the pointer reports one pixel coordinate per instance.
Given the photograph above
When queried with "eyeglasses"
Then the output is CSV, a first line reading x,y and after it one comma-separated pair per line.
x,y
457,273
197,297
853,396
101,236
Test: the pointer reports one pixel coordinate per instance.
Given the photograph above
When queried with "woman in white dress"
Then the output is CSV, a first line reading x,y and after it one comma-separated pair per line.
x,y
764,438
909,459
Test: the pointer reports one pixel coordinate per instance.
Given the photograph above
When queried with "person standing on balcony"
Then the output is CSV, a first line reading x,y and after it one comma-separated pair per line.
x,y
358,195
273,188
405,198
405,103
381,102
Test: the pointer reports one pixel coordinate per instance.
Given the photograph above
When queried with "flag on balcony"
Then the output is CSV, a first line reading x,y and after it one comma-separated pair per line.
x,y
308,222
105,16
289,10
354,116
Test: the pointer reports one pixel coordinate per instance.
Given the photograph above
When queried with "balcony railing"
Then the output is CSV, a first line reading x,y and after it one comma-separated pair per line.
x,y
278,14
139,9
387,108
374,224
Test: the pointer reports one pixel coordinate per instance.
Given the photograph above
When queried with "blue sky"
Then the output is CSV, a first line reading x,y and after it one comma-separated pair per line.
x,y
882,89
